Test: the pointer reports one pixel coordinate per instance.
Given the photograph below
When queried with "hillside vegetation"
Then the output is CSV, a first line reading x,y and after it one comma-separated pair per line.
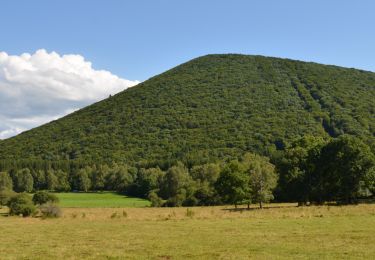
x,y
212,107
221,129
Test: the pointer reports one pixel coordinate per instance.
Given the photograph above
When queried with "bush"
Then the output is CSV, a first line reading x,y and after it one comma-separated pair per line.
x,y
50,210
114,215
42,197
5,196
156,201
190,213
21,204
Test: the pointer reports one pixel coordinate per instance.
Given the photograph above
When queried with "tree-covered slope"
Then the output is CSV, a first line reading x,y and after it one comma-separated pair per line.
x,y
210,107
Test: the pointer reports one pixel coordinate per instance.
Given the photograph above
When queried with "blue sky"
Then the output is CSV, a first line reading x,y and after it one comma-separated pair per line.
x,y
135,40
140,38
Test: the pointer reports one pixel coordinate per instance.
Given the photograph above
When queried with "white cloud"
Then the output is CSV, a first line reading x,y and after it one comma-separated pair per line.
x,y
40,87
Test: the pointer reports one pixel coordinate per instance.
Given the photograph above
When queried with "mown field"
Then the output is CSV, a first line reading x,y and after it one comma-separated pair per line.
x,y
282,231
99,200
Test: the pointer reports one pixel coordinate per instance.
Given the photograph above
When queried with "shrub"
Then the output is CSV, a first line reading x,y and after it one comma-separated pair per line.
x,y
42,197
156,201
190,213
114,215
5,196
21,204
50,210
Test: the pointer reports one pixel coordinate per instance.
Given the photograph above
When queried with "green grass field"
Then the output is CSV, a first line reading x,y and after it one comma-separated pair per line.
x,y
99,200
282,231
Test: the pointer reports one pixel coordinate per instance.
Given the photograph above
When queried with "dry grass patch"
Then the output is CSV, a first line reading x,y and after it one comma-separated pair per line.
x,y
279,232
271,211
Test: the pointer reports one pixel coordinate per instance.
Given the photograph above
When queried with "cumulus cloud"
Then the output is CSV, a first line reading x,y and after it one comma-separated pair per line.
x,y
40,87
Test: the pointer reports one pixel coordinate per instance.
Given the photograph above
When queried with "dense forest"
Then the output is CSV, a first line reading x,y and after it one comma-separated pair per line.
x,y
210,108
185,136
311,170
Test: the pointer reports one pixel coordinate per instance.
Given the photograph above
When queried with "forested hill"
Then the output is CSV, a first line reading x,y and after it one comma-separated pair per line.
x,y
211,107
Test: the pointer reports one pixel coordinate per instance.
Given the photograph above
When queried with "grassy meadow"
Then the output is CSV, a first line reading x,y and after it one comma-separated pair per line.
x,y
99,200
281,231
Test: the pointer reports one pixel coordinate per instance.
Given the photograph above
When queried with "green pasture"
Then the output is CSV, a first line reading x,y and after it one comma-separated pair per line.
x,y
99,200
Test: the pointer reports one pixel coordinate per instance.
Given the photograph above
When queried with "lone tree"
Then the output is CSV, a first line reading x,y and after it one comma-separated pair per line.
x,y
262,178
42,197
233,184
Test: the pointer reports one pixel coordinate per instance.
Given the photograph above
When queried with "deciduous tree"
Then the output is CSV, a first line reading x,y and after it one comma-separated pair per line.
x,y
233,184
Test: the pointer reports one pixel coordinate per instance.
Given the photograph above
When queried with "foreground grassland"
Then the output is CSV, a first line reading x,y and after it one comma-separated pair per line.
x,y
326,232
99,200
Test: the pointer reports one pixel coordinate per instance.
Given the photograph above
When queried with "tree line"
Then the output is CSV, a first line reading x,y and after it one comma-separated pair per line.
x,y
313,169
309,170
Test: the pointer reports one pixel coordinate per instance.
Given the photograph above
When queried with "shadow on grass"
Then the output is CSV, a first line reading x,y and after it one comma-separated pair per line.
x,y
366,201
356,202
335,203
240,209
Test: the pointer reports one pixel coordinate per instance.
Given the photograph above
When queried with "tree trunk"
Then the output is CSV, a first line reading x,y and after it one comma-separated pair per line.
x,y
248,205
260,204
